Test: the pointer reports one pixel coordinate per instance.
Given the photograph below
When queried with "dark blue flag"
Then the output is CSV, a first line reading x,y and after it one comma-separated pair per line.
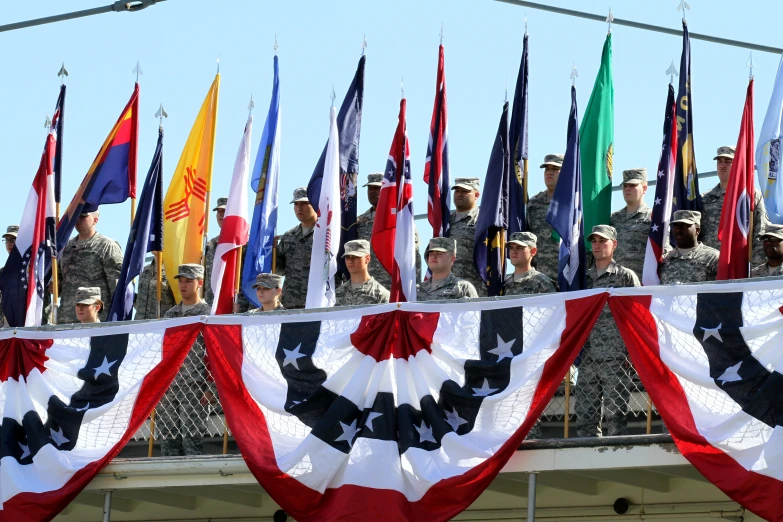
x,y
58,124
349,127
489,243
146,235
686,179
565,211
517,190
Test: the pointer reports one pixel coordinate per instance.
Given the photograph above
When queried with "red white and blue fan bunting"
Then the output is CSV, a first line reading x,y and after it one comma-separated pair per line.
x,y
405,413
71,400
711,358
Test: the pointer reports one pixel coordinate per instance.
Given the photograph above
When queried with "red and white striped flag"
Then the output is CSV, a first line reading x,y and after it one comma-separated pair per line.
x,y
235,230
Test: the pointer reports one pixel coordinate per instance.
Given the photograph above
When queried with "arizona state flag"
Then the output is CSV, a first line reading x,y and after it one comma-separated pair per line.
x,y
185,204
112,175
735,222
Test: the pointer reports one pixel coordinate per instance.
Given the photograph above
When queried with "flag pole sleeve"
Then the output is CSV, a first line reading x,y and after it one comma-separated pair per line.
x,y
158,282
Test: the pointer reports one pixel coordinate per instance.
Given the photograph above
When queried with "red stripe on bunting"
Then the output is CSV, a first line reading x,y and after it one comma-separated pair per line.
x,y
443,501
758,493
42,507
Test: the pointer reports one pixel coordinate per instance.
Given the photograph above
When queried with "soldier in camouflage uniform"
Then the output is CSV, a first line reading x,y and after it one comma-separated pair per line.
x,y
9,238
294,250
88,260
463,230
712,203
525,279
603,373
269,288
88,304
537,207
772,239
440,255
361,289
691,261
147,295
181,417
632,222
242,304
364,224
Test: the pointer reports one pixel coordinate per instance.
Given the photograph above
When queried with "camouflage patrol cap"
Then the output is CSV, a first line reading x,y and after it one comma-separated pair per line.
x,y
88,209
555,160
190,271
635,176
374,180
357,248
773,230
604,231
441,244
687,217
726,151
221,203
527,239
88,295
12,231
268,281
300,194
466,183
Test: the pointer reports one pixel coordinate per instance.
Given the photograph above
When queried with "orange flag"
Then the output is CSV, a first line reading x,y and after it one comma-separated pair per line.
x,y
185,205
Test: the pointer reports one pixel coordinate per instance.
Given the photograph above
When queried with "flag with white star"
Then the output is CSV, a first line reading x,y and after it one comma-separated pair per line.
x,y
711,364
404,410
658,239
69,404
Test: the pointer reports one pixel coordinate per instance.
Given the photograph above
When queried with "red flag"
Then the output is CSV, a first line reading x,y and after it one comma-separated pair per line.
x,y
392,233
234,232
735,221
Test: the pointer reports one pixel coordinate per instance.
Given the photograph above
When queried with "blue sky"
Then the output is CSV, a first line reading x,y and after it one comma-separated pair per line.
x,y
178,42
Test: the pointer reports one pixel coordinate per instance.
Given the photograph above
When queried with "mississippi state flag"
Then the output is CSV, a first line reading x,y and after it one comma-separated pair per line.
x,y
234,232
393,232
404,414
71,402
711,363
24,279
436,166
735,225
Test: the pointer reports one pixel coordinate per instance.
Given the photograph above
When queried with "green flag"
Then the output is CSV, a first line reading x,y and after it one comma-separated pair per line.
x,y
596,139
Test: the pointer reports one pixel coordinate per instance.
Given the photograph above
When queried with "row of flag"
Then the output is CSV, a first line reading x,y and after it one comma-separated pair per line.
x,y
582,197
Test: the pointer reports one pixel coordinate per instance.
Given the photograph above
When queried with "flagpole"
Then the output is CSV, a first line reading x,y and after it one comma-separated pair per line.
x,y
238,275
753,196
208,192
55,267
158,281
